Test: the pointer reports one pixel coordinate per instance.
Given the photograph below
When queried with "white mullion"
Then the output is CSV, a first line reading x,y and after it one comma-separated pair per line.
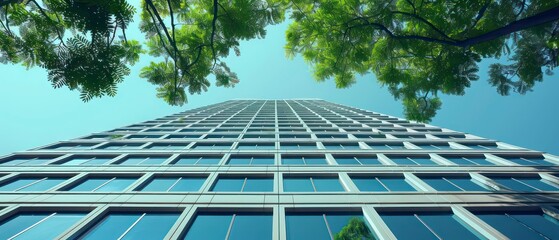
x,y
526,184
29,184
327,226
244,183
312,183
32,226
453,184
356,159
381,183
427,226
105,183
230,227
173,185
131,226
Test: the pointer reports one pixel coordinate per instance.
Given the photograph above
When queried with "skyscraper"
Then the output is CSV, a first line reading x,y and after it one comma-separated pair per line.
x,y
279,169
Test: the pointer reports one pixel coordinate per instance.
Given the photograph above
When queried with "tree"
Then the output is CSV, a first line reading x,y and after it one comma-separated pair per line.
x,y
191,37
419,49
74,40
356,229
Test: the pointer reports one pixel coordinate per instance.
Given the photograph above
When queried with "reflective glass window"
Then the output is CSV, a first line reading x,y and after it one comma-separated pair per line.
x,y
428,225
244,184
311,225
38,225
174,184
382,184
522,225
23,184
231,226
131,226
103,184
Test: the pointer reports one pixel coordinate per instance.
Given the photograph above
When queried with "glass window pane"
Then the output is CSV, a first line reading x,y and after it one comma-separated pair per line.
x,y
19,222
18,183
44,185
328,185
209,226
118,184
259,185
448,226
292,161
89,184
396,184
160,184
112,226
314,161
527,225
440,184
228,185
467,184
152,226
297,185
188,184
52,226
406,226
368,184
538,183
251,227
310,226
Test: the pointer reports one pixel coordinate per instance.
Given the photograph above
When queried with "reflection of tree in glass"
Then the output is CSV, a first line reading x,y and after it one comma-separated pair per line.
x,y
356,229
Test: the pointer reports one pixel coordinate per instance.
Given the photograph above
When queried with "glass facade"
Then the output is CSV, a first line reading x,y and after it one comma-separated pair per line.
x,y
279,169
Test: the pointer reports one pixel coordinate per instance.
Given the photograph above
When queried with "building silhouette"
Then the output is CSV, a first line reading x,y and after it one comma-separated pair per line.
x,y
279,169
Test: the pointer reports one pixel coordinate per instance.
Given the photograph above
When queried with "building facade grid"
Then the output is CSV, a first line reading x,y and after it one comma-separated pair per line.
x,y
275,163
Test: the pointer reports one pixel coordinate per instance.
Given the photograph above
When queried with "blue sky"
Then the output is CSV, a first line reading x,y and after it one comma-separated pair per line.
x,y
35,114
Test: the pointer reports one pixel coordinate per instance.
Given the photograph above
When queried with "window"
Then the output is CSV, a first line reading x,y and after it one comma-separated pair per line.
x,y
428,225
298,146
230,226
173,184
87,160
412,160
72,146
144,160
370,136
183,136
27,160
481,146
259,136
121,146
453,183
256,146
198,160
243,184
469,160
211,146
132,225
382,184
251,160
38,225
526,184
522,225
22,184
528,160
341,146
168,146
103,184
312,225
386,146
303,160
220,136
434,146
143,136
358,160
312,184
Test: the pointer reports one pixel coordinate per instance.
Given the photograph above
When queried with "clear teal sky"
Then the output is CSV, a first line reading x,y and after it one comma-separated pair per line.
x,y
35,114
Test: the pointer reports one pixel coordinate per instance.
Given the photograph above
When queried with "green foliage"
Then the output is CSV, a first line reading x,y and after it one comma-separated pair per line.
x,y
200,33
356,229
419,49
74,40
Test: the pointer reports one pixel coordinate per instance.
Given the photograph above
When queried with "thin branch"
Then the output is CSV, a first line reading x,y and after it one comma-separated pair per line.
x,y
423,20
52,21
158,32
214,21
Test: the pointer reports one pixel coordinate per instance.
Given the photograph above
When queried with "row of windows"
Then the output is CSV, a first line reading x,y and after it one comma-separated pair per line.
x,y
288,134
286,159
282,146
290,183
300,224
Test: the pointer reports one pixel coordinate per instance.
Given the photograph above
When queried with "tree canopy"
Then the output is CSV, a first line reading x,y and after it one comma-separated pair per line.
x,y
417,49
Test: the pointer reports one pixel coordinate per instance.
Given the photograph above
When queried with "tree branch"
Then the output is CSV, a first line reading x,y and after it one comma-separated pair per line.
x,y
52,21
214,21
423,20
158,33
